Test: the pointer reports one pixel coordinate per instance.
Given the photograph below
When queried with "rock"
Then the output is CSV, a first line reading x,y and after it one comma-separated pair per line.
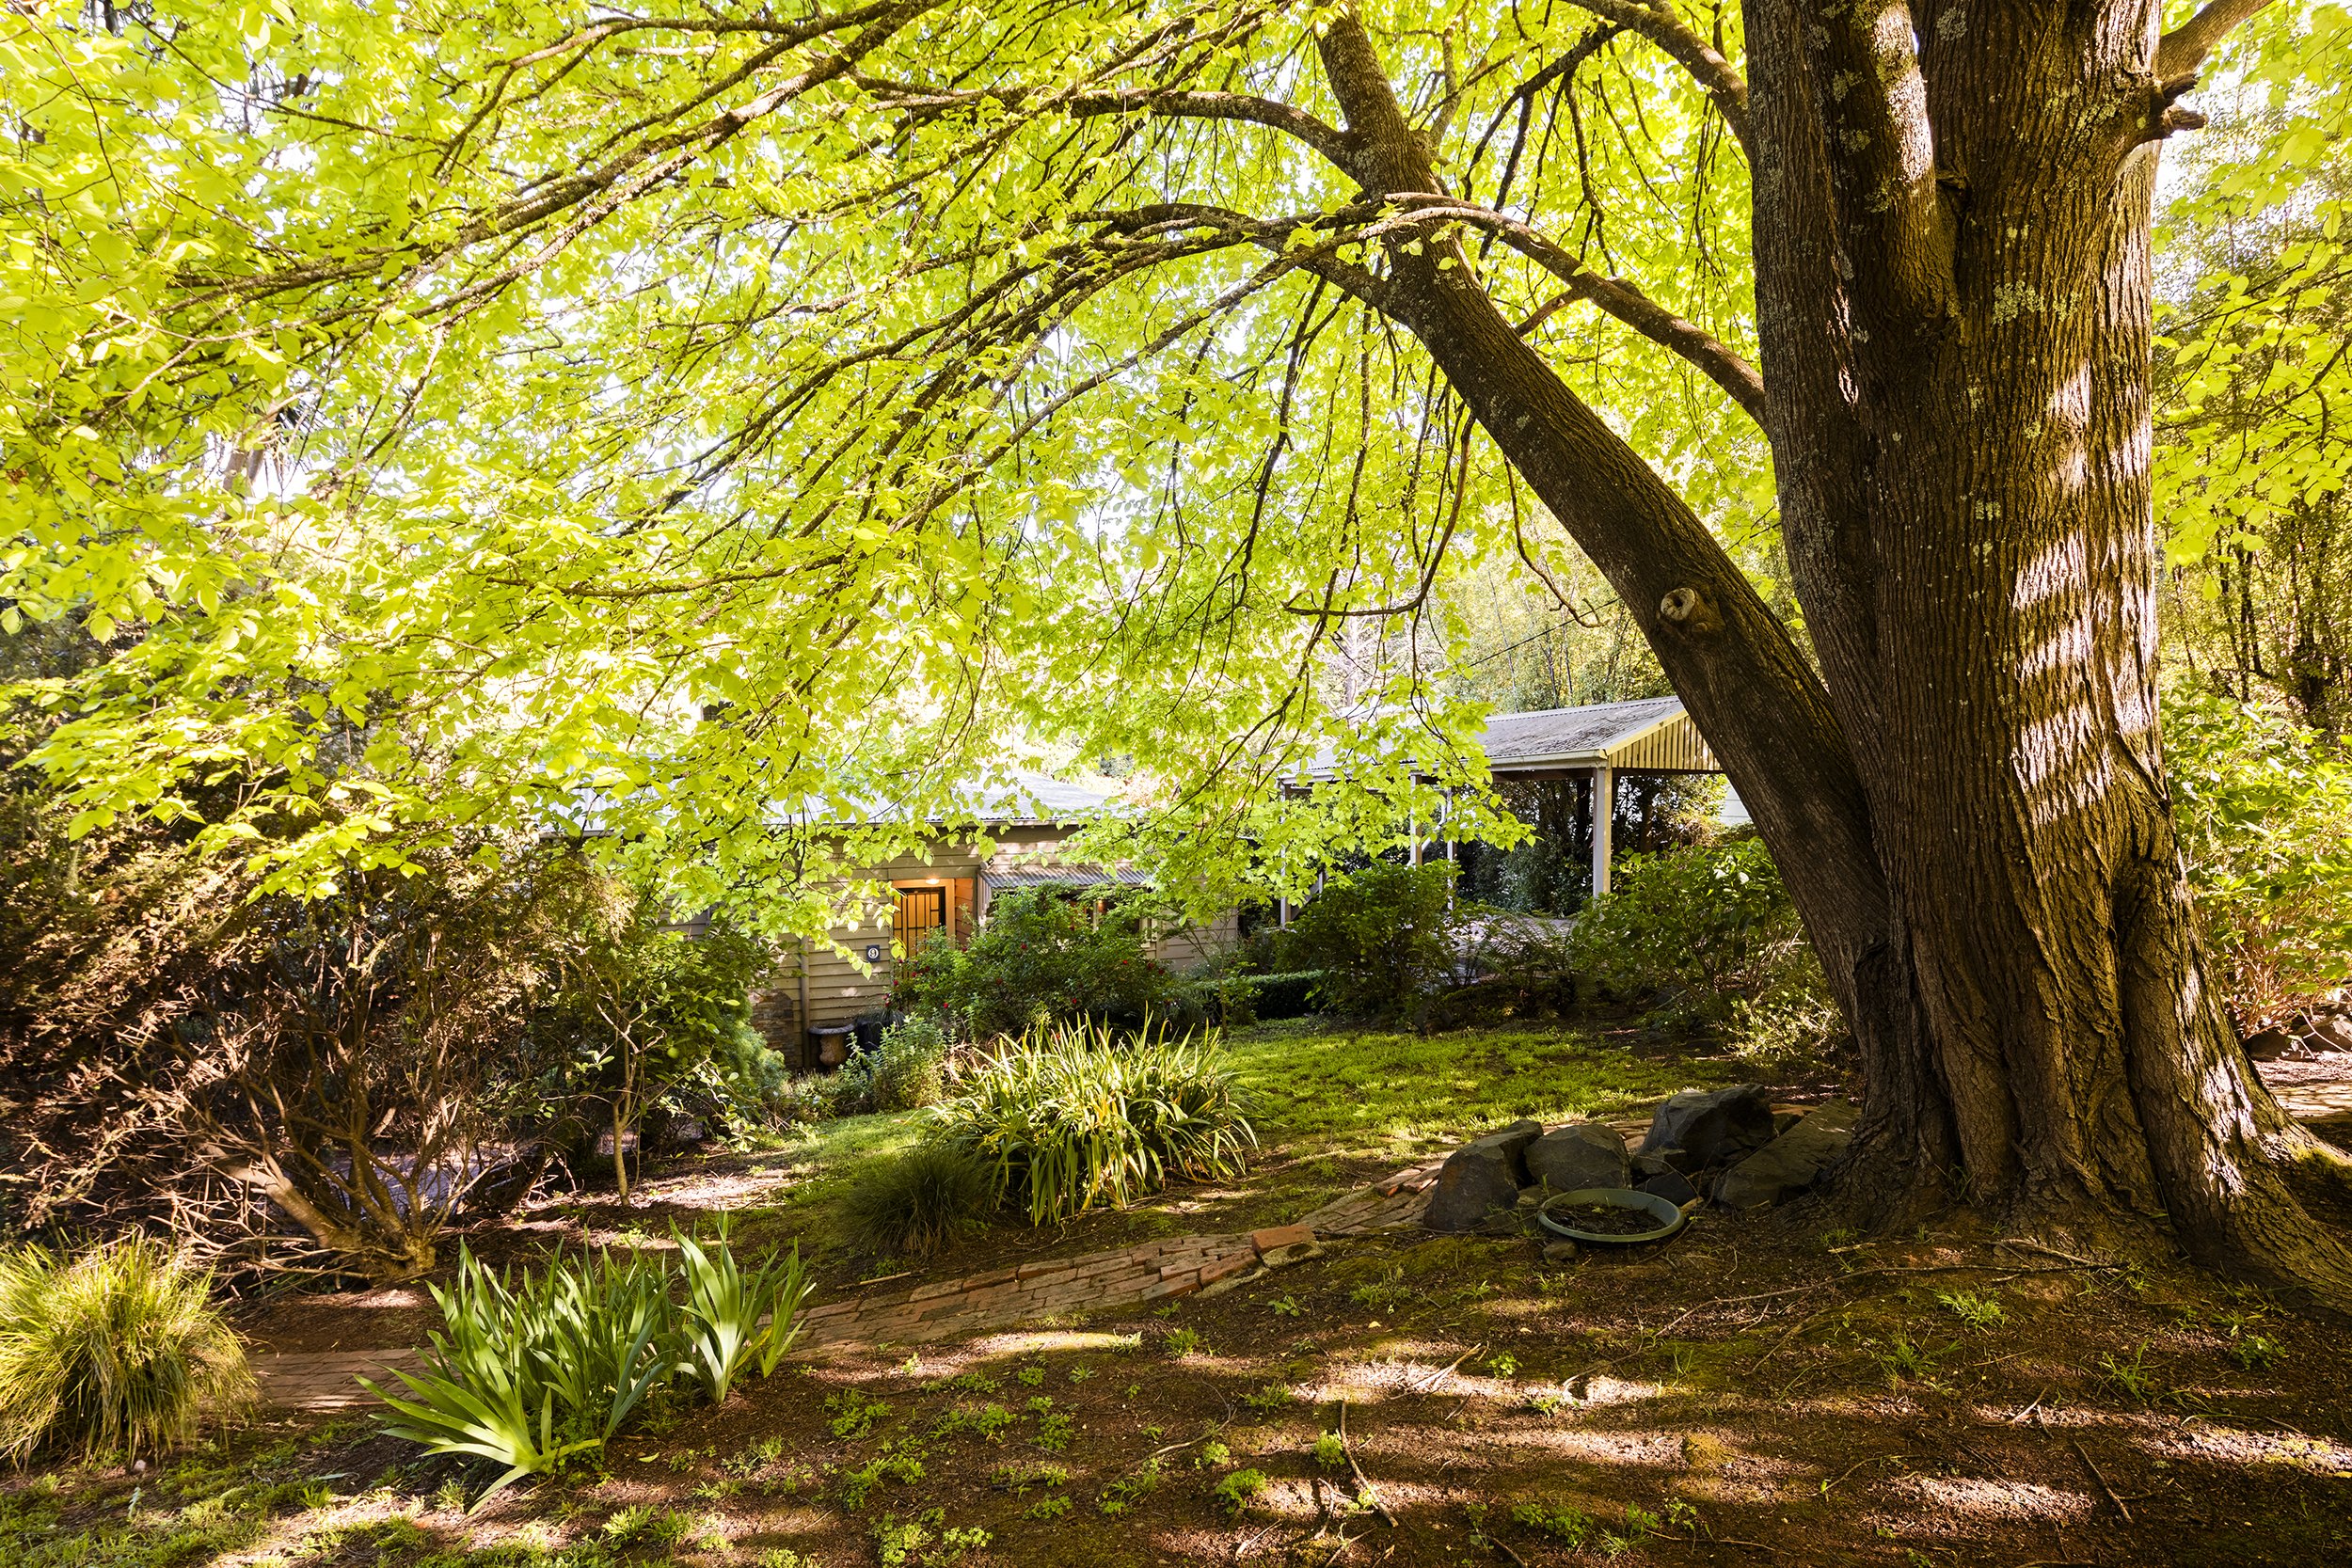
x,y
1579,1155
1561,1251
2330,1032
1703,1127
1790,1164
1673,1186
2270,1045
1646,1166
1481,1177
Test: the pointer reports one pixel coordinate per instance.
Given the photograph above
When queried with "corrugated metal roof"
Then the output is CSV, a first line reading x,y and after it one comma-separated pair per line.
x,y
1646,732
1060,874
1573,736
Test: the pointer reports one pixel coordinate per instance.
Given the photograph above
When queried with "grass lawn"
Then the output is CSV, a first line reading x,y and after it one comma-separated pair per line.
x,y
1333,1108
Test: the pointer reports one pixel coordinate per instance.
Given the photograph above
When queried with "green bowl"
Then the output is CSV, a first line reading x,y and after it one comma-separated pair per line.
x,y
1670,1217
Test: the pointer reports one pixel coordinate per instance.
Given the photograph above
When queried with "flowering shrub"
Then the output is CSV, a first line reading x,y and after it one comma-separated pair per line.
x,y
1040,957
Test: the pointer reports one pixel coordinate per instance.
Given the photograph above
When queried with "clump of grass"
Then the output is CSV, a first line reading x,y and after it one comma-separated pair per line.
x,y
1981,1313
641,1523
118,1350
1073,1119
920,1202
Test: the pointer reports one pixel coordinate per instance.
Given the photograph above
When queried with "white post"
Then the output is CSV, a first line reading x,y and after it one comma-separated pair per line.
x,y
1604,815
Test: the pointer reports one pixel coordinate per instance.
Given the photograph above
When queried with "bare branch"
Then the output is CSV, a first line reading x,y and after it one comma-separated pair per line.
x,y
1658,22
2185,48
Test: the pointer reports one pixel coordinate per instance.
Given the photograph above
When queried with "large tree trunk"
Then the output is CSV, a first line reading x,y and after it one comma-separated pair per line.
x,y
1968,804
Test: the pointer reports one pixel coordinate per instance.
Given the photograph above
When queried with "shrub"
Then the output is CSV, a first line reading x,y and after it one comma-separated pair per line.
x,y
1712,927
2264,809
916,1203
1290,995
1527,969
1714,918
911,1069
1040,957
115,1351
1070,1119
1381,937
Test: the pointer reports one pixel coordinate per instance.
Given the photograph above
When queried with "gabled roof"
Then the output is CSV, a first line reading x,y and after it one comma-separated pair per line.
x,y
1612,733
1653,733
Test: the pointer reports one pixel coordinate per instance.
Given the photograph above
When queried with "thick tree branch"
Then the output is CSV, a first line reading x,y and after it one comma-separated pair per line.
x,y
1329,140
1881,154
2185,48
1617,297
1661,27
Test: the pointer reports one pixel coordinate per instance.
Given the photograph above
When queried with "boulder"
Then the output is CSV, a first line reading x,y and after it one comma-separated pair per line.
x,y
1480,1176
1672,1186
2329,1032
1790,1163
2270,1045
1701,1129
1579,1155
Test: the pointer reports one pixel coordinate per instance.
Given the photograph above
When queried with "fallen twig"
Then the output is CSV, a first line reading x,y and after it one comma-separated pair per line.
x,y
1363,1480
2053,1252
2084,1454
2028,1410
1502,1545
1439,1376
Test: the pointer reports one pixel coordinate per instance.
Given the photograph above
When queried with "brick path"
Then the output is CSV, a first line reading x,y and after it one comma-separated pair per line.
x,y
957,1309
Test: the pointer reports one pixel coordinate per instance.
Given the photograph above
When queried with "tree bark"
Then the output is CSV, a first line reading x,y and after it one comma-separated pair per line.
x,y
1967,803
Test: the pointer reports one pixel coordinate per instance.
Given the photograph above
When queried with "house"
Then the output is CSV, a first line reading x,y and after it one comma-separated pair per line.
x,y
1595,745
947,885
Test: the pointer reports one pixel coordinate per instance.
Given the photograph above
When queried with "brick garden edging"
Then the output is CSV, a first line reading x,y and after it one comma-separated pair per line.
x,y
957,1309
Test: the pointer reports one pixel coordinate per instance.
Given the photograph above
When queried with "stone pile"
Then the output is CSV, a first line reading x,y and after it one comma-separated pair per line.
x,y
1725,1143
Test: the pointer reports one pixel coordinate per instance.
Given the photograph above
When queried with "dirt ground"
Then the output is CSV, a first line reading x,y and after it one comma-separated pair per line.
x,y
1761,1389
1746,1393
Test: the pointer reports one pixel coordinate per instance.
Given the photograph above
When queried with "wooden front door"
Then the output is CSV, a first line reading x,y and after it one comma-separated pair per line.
x,y
921,911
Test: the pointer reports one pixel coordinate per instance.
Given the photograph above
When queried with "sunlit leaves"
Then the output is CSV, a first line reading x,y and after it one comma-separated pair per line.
x,y
711,432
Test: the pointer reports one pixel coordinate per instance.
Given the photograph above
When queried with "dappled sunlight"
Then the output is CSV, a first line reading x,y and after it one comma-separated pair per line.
x,y
2220,1441
1990,1500
1044,1341
1642,1450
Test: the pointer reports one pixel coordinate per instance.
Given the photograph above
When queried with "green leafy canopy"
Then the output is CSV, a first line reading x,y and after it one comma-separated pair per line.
x,y
718,426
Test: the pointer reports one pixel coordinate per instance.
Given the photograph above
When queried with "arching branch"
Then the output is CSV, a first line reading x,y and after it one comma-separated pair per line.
x,y
2184,47
1659,24
1616,297
1329,140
